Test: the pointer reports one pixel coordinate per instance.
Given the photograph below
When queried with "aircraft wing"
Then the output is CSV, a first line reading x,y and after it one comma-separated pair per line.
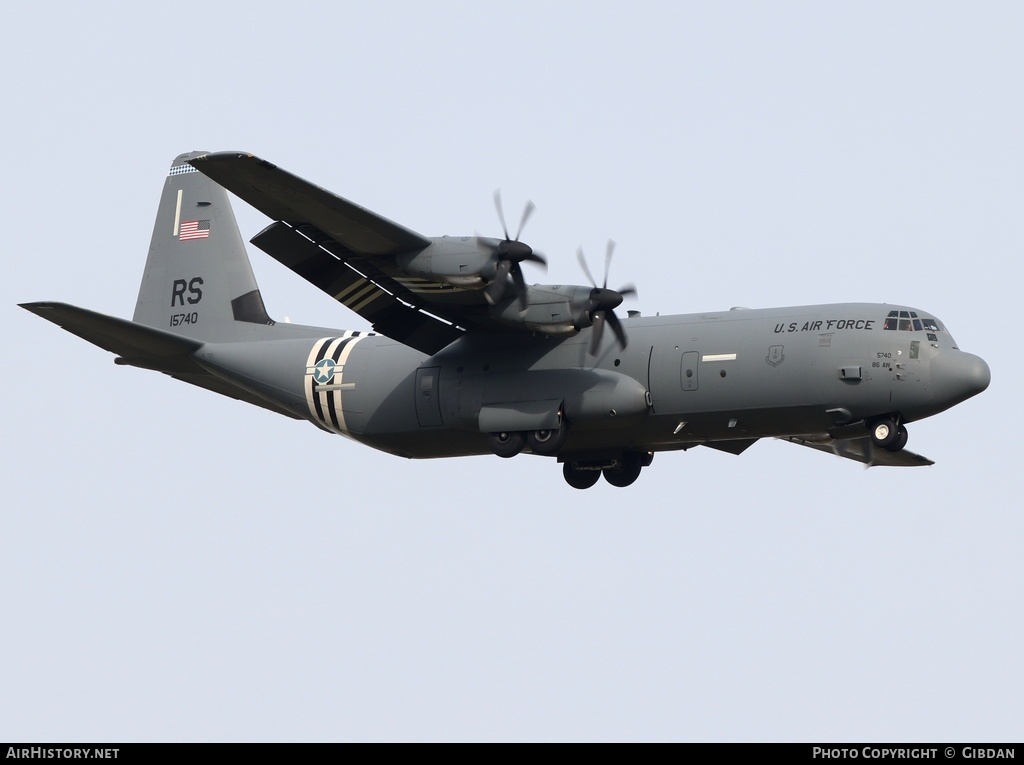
x,y
282,196
360,284
861,450
345,250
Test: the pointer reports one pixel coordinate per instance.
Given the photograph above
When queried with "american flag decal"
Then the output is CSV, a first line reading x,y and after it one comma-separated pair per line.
x,y
194,229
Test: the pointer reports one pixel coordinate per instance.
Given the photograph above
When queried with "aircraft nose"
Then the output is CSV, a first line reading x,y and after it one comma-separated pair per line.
x,y
956,376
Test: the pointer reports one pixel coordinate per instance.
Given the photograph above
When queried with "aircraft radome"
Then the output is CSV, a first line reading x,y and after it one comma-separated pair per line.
x,y
466,358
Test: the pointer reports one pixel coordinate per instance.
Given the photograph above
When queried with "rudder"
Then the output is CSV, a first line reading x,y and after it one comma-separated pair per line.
x,y
198,281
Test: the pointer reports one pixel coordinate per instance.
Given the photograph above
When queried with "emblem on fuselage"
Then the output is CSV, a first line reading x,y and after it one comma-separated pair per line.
x,y
323,371
775,356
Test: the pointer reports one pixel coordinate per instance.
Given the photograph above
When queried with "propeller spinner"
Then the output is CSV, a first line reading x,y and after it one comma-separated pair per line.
x,y
602,303
510,253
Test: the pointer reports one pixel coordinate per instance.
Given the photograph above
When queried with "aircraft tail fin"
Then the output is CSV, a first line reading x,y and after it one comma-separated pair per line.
x,y
198,282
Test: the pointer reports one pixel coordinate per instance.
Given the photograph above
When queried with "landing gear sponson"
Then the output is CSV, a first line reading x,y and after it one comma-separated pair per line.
x,y
582,472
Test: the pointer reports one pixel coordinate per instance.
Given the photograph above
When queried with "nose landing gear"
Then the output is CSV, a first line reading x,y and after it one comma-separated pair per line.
x,y
887,433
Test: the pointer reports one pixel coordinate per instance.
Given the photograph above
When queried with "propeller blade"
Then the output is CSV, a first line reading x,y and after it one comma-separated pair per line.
x,y
509,253
495,291
597,325
616,325
530,207
607,262
487,241
603,301
520,284
501,214
536,257
583,265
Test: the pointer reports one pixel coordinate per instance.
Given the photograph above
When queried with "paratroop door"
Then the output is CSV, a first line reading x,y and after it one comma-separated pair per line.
x,y
428,400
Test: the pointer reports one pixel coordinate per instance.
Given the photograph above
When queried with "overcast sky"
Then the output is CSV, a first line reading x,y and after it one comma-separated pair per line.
x,y
175,565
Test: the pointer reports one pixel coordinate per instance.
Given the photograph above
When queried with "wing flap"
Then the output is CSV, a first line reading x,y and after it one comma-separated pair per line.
x,y
286,197
358,285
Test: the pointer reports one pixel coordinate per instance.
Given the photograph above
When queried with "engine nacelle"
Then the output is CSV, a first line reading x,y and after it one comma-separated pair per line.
x,y
470,263
553,309
459,261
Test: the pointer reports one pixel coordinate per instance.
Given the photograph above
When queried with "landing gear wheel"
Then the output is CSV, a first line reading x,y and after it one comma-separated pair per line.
x,y
578,478
506,443
548,442
627,471
885,433
900,442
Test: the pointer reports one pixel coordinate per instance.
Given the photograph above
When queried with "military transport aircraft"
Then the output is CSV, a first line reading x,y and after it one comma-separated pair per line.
x,y
466,358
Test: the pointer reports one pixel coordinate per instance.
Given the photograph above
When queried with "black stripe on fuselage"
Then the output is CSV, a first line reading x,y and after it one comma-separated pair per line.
x,y
332,406
312,378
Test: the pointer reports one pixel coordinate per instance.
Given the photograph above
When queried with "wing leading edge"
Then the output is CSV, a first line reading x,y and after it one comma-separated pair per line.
x,y
282,196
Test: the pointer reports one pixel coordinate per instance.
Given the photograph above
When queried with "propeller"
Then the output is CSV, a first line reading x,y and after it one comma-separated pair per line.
x,y
510,253
602,302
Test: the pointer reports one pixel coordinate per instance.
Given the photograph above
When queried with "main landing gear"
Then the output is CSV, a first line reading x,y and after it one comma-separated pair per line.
x,y
546,442
506,443
887,433
620,471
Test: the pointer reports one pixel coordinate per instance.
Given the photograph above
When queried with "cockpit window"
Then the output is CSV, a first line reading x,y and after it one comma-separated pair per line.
x,y
908,321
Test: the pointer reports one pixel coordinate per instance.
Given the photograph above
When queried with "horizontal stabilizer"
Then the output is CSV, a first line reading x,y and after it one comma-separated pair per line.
x,y
141,346
286,197
862,450
120,336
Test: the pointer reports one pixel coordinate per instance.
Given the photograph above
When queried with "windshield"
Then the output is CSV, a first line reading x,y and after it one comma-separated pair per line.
x,y
909,321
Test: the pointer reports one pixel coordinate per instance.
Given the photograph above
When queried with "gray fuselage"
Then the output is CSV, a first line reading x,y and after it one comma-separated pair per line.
x,y
729,376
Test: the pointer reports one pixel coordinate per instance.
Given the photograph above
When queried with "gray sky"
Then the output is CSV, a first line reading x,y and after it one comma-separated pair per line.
x,y
178,566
